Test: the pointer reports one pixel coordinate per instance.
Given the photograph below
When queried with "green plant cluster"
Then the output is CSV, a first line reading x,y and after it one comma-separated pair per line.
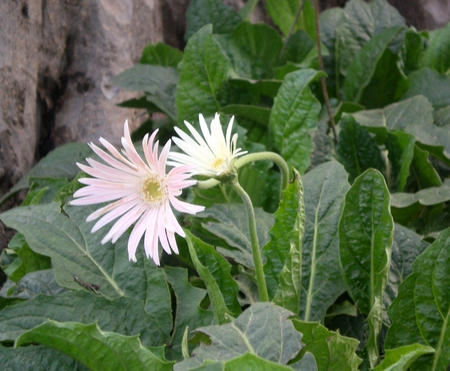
x,y
356,249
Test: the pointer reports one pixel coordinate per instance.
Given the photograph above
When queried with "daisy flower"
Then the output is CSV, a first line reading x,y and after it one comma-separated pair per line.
x,y
138,192
213,154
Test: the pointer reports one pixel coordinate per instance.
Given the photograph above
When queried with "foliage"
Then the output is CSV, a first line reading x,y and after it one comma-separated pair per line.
x,y
356,248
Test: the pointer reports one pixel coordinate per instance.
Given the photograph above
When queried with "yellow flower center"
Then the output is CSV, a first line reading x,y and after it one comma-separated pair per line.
x,y
218,162
153,189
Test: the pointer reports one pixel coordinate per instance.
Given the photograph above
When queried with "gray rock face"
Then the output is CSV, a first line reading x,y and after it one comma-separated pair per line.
x,y
56,61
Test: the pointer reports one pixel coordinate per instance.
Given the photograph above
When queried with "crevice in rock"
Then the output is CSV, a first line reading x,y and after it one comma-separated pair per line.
x,y
50,99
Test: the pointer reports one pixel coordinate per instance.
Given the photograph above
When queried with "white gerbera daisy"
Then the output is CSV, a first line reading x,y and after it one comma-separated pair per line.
x,y
213,154
141,192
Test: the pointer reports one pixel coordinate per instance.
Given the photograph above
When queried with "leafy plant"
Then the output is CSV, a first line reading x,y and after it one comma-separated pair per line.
x,y
335,259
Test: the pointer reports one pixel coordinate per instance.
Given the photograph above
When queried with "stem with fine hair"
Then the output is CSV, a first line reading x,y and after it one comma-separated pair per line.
x,y
322,79
260,279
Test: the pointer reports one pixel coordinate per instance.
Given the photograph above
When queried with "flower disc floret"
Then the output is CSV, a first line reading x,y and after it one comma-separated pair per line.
x,y
138,191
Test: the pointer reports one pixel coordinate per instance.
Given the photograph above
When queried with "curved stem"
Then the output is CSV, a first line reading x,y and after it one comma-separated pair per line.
x,y
205,184
260,279
270,156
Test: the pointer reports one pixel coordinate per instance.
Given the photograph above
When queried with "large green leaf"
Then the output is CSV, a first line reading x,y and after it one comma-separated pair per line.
x,y
158,81
188,313
437,53
247,361
426,197
413,116
276,250
431,84
365,234
37,358
400,148
283,14
363,66
362,22
124,315
284,251
31,285
161,54
26,260
76,252
357,150
421,312
294,114
413,49
263,330
214,270
400,359
59,163
253,50
232,227
331,350
202,12
205,67
406,247
322,283
96,349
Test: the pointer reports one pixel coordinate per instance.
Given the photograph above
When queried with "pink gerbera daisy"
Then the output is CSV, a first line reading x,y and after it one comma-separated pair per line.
x,y
140,193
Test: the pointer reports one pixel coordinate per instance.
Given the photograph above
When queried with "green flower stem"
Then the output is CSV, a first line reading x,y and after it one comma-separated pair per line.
x,y
260,279
270,156
205,184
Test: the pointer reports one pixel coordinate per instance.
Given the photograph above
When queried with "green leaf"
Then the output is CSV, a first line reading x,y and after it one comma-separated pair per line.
x,y
59,163
256,113
406,247
161,54
423,170
360,24
357,150
413,49
294,114
250,361
188,313
278,342
365,234
283,14
214,270
96,349
400,359
331,350
253,50
362,68
232,227
205,68
283,234
437,53
26,260
385,15
289,278
421,312
413,116
31,285
37,358
322,283
124,315
426,197
202,12
400,148
76,252
431,84
159,82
